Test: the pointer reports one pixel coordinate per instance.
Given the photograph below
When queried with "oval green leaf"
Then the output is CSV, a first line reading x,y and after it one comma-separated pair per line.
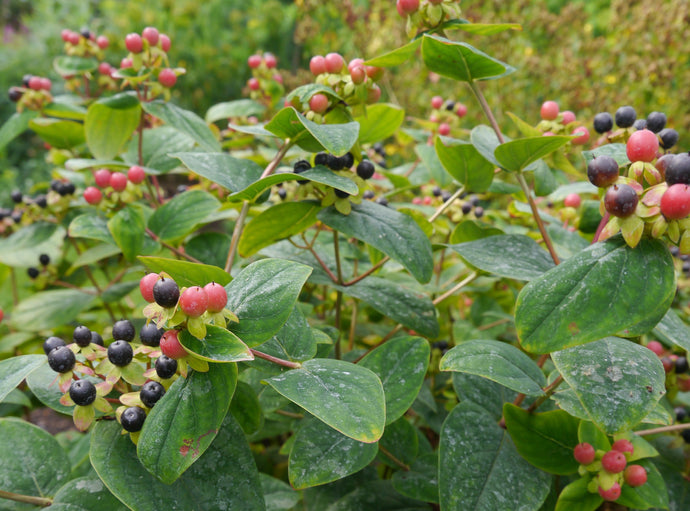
x,y
22,247
110,123
421,481
47,309
381,121
158,145
86,494
186,273
17,124
233,174
14,370
219,345
185,121
673,330
516,155
237,108
462,161
91,226
66,65
397,56
61,134
603,290
127,229
179,216
576,497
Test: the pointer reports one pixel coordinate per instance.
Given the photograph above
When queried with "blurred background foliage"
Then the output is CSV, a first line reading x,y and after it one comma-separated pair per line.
x,y
589,55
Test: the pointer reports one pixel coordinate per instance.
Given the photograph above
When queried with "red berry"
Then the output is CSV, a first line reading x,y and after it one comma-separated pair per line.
x,y
358,75
102,177
568,117
642,146
165,42
136,174
549,110
254,61
2,314
621,200
105,69
217,297
118,181
602,171
614,462
318,103
416,200
93,195
407,7
134,43
635,475
612,493
461,110
277,78
375,73
151,35
66,34
656,347
194,301
675,202
436,102
146,286
35,83
355,63
170,345
46,84
581,134
270,60
444,129
584,453
74,38
125,63
334,62
373,94
317,65
572,200
102,42
623,446
253,84
167,77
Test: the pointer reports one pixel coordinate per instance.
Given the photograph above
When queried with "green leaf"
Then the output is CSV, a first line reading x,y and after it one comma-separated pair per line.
x,y
48,309
516,155
321,454
304,92
401,365
185,421
318,174
237,108
224,478
66,110
178,217
400,438
605,289
61,134
67,65
632,375
429,158
672,329
337,139
546,439
380,121
278,222
93,255
127,229
219,345
460,61
480,28
421,481
484,475
295,341
17,124
397,56
372,494
347,397
40,469
246,409
509,255
653,494
23,247
14,370
209,247
576,497
262,296
462,161
497,361
86,494
485,141
110,123
185,121
414,310
616,151
395,234
157,146
91,226
278,495
471,230
186,273
483,392
233,174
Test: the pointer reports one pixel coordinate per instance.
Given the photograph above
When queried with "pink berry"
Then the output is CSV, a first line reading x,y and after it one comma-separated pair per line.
x,y
444,129
35,83
93,195
253,84
170,345
427,200
2,314
373,94
656,347
334,62
105,69
66,34
584,453
165,42
46,84
318,103
572,200
102,177
642,146
151,35
635,475
136,174
194,301
623,446
549,110
277,78
146,286
581,134
375,73
358,75
416,200
102,42
568,117
254,61
355,63
118,181
436,102
167,77
317,65
461,110
74,38
270,60
125,63
134,43
612,493
407,7
549,134
217,297
614,462
675,202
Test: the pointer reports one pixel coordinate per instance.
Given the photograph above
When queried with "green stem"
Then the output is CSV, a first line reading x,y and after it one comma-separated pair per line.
x,y
663,429
395,460
275,360
26,499
457,287
446,204
174,250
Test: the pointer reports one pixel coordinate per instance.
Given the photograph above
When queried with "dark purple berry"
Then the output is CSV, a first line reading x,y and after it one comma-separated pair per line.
x,y
625,116
321,159
678,169
382,200
96,338
347,160
335,163
603,122
16,217
15,94
41,201
478,212
17,196
436,191
51,343
123,330
299,167
44,259
669,138
681,413
120,353
365,169
686,435
132,419
82,336
32,272
640,124
656,121
445,195
61,359
166,367
151,392
85,33
466,208
621,200
341,194
82,392
602,171
450,105
25,79
150,335
681,365
282,193
166,292
368,194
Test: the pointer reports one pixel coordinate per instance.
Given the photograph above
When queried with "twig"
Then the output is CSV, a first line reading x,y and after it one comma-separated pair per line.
x,y
275,360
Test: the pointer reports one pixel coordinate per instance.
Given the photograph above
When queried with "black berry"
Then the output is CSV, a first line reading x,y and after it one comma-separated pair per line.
x,y
621,200
44,259
166,292
625,116
32,272
132,419
16,216
681,365
686,435
120,353
86,33
15,94
123,330
150,335
151,392
347,160
365,169
335,163
51,343
166,367
669,138
61,359
340,193
378,148
41,201
466,208
383,201
321,159
450,105
478,212
82,336
678,169
603,122
299,167
82,392
445,195
25,79
681,413
640,124
656,121
602,171
17,196
436,191
282,193
4,213
181,189
96,338
368,194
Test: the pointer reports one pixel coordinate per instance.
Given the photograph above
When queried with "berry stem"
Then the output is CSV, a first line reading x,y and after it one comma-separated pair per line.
x,y
446,204
170,247
368,272
457,287
601,226
27,499
395,460
275,360
548,391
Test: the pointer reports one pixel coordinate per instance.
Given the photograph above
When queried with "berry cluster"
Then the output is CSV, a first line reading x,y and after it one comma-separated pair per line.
x,y
426,14
34,93
445,114
266,83
115,184
627,123
555,122
27,209
84,43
